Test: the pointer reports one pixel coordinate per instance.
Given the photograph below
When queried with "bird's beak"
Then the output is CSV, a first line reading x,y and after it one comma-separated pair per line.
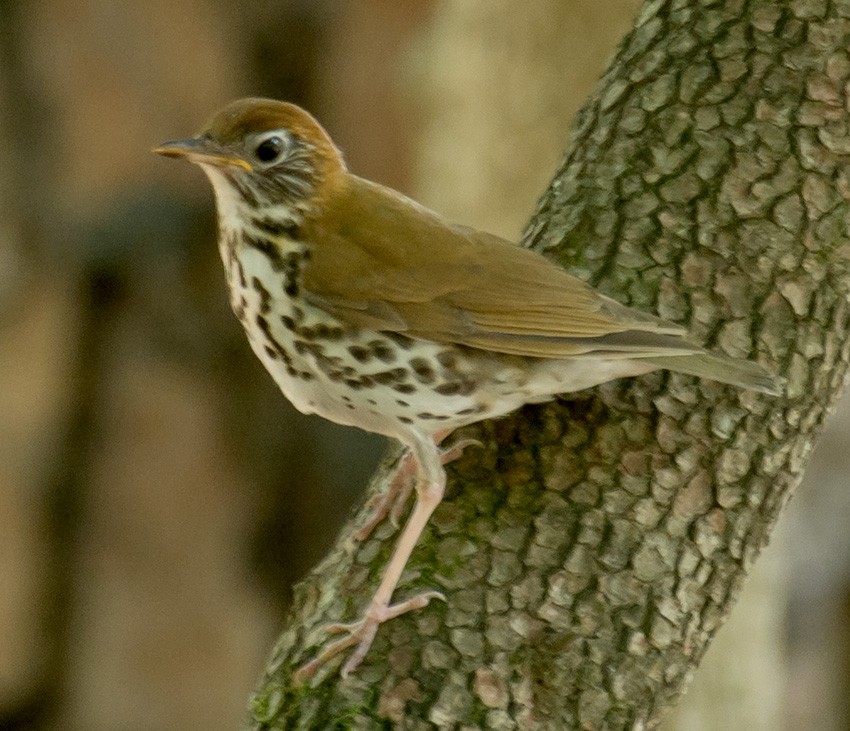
x,y
202,151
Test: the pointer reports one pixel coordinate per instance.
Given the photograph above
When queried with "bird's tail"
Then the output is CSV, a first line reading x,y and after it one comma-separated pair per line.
x,y
733,371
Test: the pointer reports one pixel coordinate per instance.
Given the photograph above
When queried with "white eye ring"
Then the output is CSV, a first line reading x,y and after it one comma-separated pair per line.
x,y
270,148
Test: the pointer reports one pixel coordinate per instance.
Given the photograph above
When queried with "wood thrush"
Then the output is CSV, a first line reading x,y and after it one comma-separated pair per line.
x,y
373,311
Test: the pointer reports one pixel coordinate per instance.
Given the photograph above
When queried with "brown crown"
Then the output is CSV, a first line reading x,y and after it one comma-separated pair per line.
x,y
252,115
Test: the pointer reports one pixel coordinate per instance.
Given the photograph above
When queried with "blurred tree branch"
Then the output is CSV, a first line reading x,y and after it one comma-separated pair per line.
x,y
591,551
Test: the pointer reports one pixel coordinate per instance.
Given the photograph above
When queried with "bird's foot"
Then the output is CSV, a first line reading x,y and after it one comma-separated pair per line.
x,y
450,454
361,634
391,502
395,499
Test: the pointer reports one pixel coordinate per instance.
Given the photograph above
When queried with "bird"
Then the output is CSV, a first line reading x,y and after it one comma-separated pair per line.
x,y
373,311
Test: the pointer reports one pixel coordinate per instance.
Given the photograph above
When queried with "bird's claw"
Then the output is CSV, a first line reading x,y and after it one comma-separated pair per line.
x,y
361,634
450,454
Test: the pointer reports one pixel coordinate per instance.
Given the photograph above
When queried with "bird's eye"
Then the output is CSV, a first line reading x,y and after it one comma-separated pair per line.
x,y
269,149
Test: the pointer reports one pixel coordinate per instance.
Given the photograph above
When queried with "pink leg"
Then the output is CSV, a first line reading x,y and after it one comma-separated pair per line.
x,y
429,492
394,500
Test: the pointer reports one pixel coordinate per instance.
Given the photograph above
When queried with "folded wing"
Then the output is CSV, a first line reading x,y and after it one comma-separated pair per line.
x,y
386,263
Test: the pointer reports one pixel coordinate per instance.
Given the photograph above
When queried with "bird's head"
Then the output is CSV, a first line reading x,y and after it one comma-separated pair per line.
x,y
262,153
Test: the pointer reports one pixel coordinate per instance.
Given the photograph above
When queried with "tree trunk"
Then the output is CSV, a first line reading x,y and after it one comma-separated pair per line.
x,y
482,161
590,551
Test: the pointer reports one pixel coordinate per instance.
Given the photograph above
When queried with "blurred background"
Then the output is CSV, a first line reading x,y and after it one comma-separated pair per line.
x,y
158,496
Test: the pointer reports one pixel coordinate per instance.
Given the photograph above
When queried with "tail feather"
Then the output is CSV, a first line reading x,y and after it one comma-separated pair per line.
x,y
733,371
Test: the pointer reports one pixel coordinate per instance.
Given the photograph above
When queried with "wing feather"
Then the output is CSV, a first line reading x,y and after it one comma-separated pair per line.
x,y
382,261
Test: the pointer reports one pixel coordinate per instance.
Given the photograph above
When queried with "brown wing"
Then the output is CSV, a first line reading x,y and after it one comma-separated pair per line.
x,y
383,262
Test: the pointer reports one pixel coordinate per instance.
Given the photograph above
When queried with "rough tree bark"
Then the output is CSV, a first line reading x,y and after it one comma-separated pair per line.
x,y
590,551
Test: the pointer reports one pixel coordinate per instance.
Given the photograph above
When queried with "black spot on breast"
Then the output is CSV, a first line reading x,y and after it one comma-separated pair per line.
x,y
465,386
401,403
449,389
303,346
403,388
265,297
328,332
268,249
275,227
240,270
271,352
405,419
447,358
359,353
382,351
291,269
289,323
401,340
427,416
395,375
272,343
423,370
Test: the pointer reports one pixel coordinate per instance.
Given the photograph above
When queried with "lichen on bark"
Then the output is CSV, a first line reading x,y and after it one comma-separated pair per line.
x,y
592,548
